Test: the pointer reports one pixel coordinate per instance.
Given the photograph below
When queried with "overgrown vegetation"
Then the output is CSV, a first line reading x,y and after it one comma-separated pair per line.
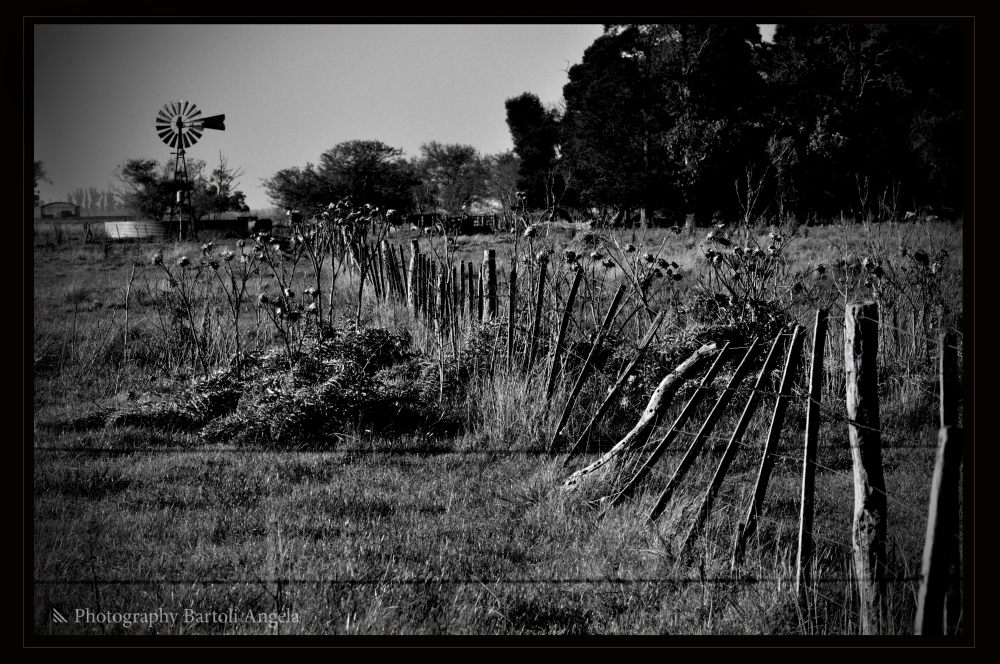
x,y
363,468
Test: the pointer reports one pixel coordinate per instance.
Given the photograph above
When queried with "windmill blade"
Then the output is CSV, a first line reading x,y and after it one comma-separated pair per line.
x,y
195,133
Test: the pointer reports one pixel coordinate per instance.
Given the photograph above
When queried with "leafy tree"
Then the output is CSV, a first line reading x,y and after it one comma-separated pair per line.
x,y
370,172
502,179
660,116
861,110
146,187
40,176
535,132
217,193
454,173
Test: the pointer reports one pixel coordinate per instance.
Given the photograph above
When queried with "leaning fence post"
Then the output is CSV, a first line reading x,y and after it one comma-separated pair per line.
x,y
749,524
941,540
733,445
706,429
585,372
938,605
412,276
490,258
563,325
809,455
613,392
864,428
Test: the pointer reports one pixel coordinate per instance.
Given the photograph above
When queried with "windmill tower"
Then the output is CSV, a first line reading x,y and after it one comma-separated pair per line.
x,y
179,124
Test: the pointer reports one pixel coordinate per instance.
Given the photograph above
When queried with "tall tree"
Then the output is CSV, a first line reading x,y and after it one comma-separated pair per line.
x,y
502,178
145,187
455,173
370,172
535,132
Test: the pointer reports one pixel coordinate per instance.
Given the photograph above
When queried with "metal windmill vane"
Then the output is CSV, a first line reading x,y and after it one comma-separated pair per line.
x,y
180,124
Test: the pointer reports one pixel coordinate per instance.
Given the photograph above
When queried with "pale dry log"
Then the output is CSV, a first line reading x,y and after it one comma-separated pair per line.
x,y
658,403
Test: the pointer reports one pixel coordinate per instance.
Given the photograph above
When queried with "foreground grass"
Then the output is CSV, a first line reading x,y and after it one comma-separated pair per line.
x,y
468,534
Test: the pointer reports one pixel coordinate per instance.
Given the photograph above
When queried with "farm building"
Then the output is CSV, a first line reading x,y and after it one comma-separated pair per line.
x,y
55,210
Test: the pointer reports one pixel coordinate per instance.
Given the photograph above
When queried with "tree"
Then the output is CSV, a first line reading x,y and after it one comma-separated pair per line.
x,y
455,174
217,194
40,176
535,132
370,172
145,187
502,178
860,110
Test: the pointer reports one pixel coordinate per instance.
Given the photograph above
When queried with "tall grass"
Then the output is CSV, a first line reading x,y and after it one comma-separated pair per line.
x,y
464,528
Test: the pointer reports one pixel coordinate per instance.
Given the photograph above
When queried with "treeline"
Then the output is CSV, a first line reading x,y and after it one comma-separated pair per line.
x,y
699,121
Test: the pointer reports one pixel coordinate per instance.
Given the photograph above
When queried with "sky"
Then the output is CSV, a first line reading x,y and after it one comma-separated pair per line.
x,y
289,92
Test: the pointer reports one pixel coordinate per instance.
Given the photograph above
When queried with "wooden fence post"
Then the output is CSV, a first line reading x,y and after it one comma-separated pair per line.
x,y
412,276
472,292
745,529
949,380
511,313
585,372
536,325
706,428
733,445
490,257
869,531
461,289
935,615
802,579
563,325
939,601
613,392
480,295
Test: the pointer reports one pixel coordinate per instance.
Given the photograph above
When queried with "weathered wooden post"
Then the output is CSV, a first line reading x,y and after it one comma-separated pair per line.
x,y
539,299
935,615
563,325
480,285
405,287
511,312
939,601
461,289
868,537
433,292
490,258
441,318
412,276
802,579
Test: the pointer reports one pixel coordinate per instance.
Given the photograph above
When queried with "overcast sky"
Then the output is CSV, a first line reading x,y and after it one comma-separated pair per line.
x,y
289,92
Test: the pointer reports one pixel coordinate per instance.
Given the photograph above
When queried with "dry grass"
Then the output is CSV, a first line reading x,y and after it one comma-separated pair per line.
x,y
462,530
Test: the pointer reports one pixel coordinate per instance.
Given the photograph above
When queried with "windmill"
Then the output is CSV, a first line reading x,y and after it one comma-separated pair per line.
x,y
180,124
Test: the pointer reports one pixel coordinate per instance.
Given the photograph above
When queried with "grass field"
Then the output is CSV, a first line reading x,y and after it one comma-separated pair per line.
x,y
402,482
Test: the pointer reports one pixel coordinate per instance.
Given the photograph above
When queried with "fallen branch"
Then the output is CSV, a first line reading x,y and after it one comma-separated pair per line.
x,y
658,403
